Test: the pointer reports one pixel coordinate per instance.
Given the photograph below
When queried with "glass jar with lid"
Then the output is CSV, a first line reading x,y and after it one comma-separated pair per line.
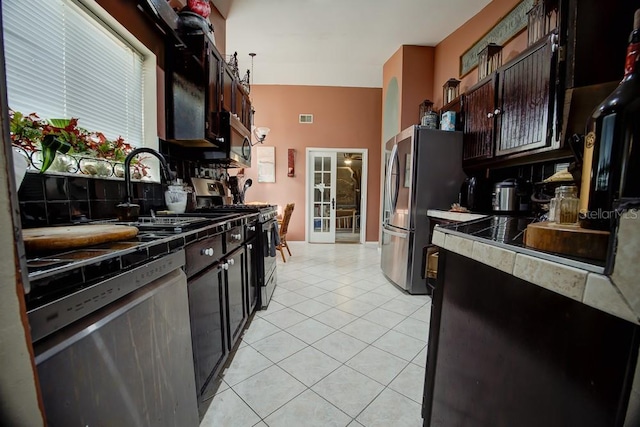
x,y
565,205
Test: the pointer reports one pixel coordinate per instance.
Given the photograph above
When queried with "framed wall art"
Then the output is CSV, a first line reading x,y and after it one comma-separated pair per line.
x,y
266,163
507,28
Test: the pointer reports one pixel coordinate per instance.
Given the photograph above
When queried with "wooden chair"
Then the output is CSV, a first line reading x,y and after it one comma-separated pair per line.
x,y
283,230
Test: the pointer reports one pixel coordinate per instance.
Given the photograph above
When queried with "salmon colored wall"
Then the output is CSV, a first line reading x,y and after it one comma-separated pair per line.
x,y
343,117
448,51
413,67
417,82
392,68
219,29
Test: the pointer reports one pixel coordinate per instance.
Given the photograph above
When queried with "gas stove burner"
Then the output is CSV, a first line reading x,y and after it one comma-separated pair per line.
x,y
235,208
266,212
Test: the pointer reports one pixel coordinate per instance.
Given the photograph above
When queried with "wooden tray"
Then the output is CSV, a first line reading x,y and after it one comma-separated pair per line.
x,y
567,239
48,239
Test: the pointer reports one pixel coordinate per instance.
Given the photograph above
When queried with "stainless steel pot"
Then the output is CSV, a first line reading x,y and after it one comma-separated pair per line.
x,y
509,196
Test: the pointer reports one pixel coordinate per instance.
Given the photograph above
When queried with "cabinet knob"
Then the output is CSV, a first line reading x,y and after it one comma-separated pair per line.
x,y
489,115
554,42
236,236
224,266
252,228
249,246
206,252
497,111
231,261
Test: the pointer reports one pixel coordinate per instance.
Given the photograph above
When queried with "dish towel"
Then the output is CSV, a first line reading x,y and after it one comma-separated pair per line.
x,y
275,239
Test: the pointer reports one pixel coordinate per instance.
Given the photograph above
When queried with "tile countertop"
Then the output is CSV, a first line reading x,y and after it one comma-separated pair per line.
x,y
487,240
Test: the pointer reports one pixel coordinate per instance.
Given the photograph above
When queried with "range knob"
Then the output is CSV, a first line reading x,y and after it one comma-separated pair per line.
x,y
236,236
231,262
225,266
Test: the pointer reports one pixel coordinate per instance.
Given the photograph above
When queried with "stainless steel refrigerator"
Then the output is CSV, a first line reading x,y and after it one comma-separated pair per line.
x,y
423,171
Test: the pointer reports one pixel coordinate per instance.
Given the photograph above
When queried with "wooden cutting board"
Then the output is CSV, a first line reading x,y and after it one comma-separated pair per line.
x,y
48,239
567,239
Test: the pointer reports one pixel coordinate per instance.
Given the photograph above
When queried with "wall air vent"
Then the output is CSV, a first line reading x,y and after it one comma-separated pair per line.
x,y
305,118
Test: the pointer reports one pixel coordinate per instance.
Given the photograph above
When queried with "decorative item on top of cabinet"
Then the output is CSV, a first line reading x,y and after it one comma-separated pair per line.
x,y
428,117
452,109
489,59
450,90
542,18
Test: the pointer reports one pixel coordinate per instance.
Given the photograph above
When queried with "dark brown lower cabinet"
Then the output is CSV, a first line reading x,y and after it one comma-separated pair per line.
x,y
506,352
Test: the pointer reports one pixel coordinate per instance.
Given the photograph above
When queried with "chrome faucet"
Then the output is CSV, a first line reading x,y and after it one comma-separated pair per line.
x,y
164,168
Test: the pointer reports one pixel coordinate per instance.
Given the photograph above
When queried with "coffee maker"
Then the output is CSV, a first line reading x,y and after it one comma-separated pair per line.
x,y
474,195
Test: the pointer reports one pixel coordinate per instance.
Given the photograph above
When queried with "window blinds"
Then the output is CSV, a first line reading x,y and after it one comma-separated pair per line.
x,y
63,62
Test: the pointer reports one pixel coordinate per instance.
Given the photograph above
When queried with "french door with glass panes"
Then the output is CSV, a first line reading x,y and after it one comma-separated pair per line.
x,y
322,180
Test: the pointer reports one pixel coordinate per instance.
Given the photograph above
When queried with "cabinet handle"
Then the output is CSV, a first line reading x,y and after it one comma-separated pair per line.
x,y
497,111
489,115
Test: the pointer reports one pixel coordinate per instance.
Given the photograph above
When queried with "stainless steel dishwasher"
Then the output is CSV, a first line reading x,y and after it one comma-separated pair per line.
x,y
123,355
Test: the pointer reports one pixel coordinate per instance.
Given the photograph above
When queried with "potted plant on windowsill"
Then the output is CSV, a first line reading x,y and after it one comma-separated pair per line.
x,y
61,145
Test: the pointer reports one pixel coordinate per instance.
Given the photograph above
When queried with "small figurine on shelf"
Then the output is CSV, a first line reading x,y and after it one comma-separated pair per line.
x,y
233,64
245,82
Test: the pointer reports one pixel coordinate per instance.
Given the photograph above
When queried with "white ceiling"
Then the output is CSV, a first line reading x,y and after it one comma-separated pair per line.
x,y
334,42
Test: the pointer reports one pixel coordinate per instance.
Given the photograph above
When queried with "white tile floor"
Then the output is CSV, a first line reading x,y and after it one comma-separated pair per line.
x,y
338,346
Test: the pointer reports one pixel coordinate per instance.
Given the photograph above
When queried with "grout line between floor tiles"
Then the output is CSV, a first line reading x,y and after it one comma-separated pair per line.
x,y
321,262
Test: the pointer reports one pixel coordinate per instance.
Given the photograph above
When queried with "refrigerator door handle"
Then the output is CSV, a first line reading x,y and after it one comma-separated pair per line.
x,y
392,198
395,233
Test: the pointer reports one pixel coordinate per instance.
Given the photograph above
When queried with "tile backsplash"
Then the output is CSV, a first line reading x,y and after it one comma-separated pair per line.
x,y
47,199
535,172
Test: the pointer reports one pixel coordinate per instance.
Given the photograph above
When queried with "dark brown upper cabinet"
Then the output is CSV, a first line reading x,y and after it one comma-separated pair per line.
x,y
479,104
513,110
193,91
242,104
525,107
521,112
